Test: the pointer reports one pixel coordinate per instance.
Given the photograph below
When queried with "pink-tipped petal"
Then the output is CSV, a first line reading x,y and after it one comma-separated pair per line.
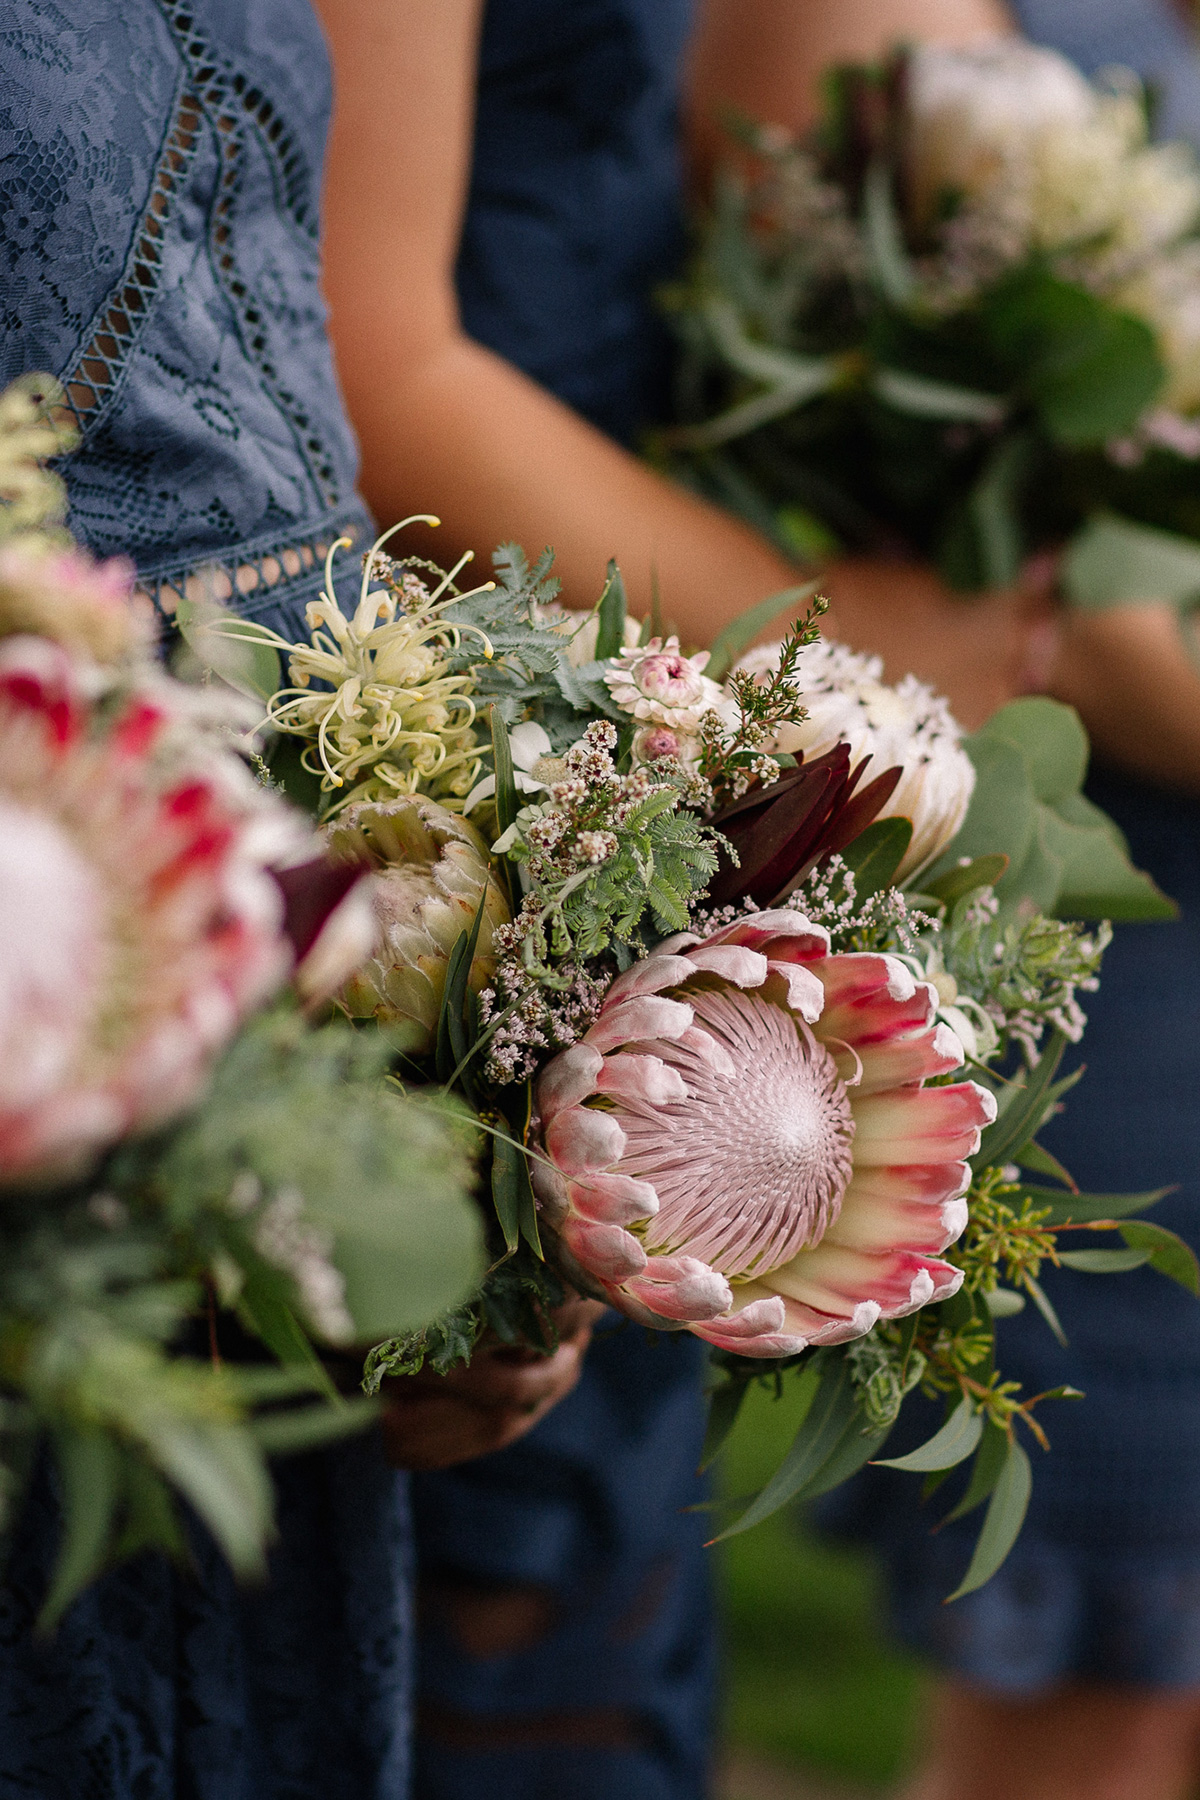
x,y
802,992
550,1189
733,962
758,1330
877,1019
634,1021
679,944
834,1279
613,1199
605,1251
919,1206
907,1060
861,975
651,977
784,935
644,1082
567,1080
583,1139
921,1124
681,1287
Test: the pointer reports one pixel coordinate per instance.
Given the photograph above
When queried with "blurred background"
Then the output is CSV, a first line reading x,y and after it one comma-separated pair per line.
x,y
818,1704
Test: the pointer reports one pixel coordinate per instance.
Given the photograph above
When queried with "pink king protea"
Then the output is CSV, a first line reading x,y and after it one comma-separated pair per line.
x,y
742,1146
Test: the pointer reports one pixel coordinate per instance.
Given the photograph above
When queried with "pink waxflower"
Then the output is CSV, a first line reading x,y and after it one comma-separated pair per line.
x,y
656,684
142,915
742,1145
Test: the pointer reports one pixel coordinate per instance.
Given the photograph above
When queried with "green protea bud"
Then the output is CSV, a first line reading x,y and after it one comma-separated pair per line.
x,y
432,869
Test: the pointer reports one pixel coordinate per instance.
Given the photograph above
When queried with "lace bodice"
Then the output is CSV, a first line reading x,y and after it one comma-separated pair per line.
x,y
160,167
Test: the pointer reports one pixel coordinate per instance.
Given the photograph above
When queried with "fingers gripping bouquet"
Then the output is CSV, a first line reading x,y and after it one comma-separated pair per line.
x,y
724,979
178,1143
962,317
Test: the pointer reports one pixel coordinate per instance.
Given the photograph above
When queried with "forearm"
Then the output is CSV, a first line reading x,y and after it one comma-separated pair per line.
x,y
1129,674
462,433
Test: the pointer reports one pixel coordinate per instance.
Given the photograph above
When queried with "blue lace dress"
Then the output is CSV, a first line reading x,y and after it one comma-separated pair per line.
x,y
1104,1583
159,173
573,218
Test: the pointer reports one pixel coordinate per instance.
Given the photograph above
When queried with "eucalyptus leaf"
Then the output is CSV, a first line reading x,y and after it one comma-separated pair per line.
x,y
1168,1253
1115,562
875,855
957,1439
1002,1522
1044,1305
956,883
89,1466
507,801
833,1408
985,1471
724,1405
1081,1209
1026,1108
611,610
1103,1262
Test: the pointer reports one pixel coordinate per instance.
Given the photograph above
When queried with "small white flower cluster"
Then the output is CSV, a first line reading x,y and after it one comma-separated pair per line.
x,y
530,1019
296,1247
588,804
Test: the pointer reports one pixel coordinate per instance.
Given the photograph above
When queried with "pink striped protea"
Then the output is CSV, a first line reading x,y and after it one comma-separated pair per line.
x,y
147,884
742,1145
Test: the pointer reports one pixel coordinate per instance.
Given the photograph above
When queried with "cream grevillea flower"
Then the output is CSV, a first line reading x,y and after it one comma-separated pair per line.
x,y
909,725
657,685
139,919
741,1145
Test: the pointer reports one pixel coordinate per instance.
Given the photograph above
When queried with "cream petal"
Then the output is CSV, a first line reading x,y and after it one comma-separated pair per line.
x,y
904,1060
583,1139
632,1021
644,1082
802,992
909,1125
681,1287
611,1199
650,977
733,962
605,1251
567,1080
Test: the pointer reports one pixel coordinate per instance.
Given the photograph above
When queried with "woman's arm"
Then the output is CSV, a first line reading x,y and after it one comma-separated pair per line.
x,y
446,426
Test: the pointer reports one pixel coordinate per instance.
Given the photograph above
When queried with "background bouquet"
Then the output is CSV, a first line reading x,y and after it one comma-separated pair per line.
x,y
962,318
188,1166
759,1003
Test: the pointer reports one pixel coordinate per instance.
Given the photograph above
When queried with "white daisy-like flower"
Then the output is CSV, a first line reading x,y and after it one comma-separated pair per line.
x,y
658,685
1166,294
907,725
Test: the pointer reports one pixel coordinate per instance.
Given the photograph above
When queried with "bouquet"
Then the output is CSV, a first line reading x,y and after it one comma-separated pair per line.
x,y
186,1158
962,319
752,974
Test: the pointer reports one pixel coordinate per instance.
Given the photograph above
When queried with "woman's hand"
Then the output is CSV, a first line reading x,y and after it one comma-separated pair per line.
x,y
433,1421
978,650
1128,672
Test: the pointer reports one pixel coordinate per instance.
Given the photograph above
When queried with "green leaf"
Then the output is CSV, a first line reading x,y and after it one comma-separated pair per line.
x,y
506,1161
1089,370
1036,1157
985,1472
1043,1303
741,632
227,646
876,854
89,1463
219,1469
854,1448
833,1408
1081,1209
956,1440
1026,1108
1103,1262
264,1312
507,802
887,257
1168,1252
956,883
1004,1303
1114,562
724,1405
1002,1522
309,1427
611,609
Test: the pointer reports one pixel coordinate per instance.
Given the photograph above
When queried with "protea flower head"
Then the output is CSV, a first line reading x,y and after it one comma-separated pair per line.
x,y
779,833
141,920
432,871
742,1145
908,727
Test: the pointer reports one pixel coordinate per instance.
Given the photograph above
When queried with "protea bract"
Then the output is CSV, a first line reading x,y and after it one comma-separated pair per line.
x,y
743,1146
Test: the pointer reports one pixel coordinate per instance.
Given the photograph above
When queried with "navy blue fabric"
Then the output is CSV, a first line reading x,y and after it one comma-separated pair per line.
x,y
587,1509
160,168
574,213
159,176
